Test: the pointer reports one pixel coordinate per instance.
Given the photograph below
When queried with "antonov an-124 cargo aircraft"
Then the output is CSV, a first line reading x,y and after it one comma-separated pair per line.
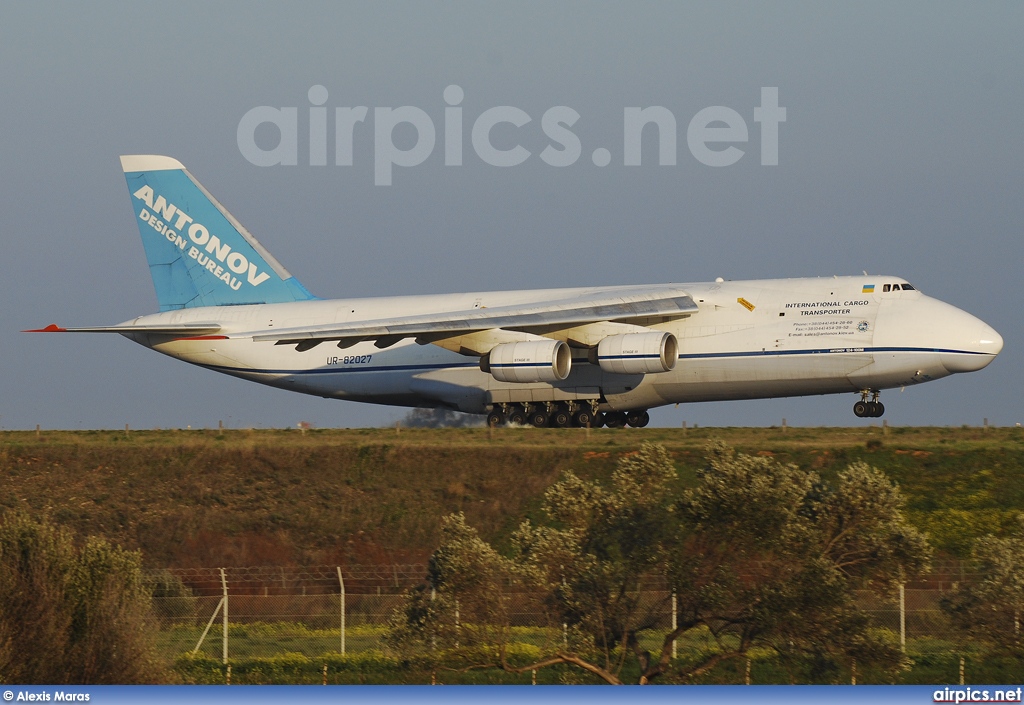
x,y
588,356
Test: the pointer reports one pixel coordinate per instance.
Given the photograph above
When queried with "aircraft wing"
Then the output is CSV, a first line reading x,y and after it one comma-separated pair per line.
x,y
642,305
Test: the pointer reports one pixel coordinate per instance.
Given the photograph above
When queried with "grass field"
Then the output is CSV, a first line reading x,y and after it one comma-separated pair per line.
x,y
205,498
931,661
283,497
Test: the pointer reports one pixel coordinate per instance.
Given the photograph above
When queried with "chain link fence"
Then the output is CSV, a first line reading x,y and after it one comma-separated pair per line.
x,y
258,612
268,611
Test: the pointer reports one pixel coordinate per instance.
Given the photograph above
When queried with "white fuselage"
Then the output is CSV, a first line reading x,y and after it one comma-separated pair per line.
x,y
749,339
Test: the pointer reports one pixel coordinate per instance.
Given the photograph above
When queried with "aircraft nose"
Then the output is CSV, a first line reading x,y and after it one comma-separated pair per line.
x,y
976,344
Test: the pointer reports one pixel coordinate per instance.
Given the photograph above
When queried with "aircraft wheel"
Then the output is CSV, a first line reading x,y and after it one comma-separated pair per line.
x,y
861,409
539,419
638,419
879,409
561,418
583,418
598,421
495,418
615,419
517,417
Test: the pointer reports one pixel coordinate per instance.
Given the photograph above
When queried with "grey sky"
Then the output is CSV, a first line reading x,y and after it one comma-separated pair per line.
x,y
902,154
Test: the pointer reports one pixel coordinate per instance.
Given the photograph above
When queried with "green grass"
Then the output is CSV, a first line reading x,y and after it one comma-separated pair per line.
x,y
932,661
282,497
268,639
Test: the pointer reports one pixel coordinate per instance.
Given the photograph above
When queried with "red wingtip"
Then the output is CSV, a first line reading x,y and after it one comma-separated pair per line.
x,y
52,328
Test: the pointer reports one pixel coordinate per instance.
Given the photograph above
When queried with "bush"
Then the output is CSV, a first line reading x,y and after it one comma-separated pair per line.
x,y
71,614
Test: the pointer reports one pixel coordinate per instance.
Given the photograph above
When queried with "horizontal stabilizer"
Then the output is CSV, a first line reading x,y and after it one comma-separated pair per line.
x,y
180,329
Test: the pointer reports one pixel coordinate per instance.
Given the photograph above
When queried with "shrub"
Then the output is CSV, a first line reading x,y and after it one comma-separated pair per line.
x,y
71,614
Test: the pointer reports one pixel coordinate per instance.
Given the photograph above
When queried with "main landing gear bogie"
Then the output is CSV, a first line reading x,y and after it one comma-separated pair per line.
x,y
564,415
870,409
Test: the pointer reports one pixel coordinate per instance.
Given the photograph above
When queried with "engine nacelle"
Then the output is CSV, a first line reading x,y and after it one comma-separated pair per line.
x,y
529,361
638,353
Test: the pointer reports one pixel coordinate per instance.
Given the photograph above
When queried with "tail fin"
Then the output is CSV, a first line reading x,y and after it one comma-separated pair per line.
x,y
198,254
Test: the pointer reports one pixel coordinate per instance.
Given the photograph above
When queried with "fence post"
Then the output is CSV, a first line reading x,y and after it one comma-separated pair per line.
x,y
208,625
565,625
224,584
341,581
902,618
675,622
961,670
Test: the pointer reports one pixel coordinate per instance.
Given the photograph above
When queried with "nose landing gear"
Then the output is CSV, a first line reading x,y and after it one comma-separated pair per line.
x,y
868,409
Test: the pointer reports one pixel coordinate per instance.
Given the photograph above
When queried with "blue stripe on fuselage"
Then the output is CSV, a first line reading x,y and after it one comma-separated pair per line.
x,y
690,356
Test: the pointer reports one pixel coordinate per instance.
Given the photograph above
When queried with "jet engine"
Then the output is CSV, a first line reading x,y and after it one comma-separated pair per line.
x,y
529,361
638,353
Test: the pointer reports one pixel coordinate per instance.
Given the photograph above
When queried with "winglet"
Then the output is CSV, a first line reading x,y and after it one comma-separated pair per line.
x,y
52,328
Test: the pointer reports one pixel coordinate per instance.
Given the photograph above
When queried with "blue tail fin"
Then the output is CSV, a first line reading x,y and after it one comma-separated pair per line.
x,y
198,254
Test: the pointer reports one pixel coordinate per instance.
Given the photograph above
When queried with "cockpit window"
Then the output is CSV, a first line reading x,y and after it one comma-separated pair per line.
x,y
886,287
907,287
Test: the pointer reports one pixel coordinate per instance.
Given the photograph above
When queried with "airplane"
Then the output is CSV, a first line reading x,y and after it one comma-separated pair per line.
x,y
579,357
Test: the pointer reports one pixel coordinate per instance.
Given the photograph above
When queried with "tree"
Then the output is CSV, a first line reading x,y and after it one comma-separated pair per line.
x,y
71,614
770,553
991,609
758,553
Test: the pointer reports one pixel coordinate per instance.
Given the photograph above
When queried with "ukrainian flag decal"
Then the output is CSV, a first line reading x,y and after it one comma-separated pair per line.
x,y
868,289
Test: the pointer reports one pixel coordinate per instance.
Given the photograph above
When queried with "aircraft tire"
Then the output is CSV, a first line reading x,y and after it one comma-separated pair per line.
x,y
583,418
639,419
538,419
561,418
517,417
879,409
495,418
615,419
861,409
